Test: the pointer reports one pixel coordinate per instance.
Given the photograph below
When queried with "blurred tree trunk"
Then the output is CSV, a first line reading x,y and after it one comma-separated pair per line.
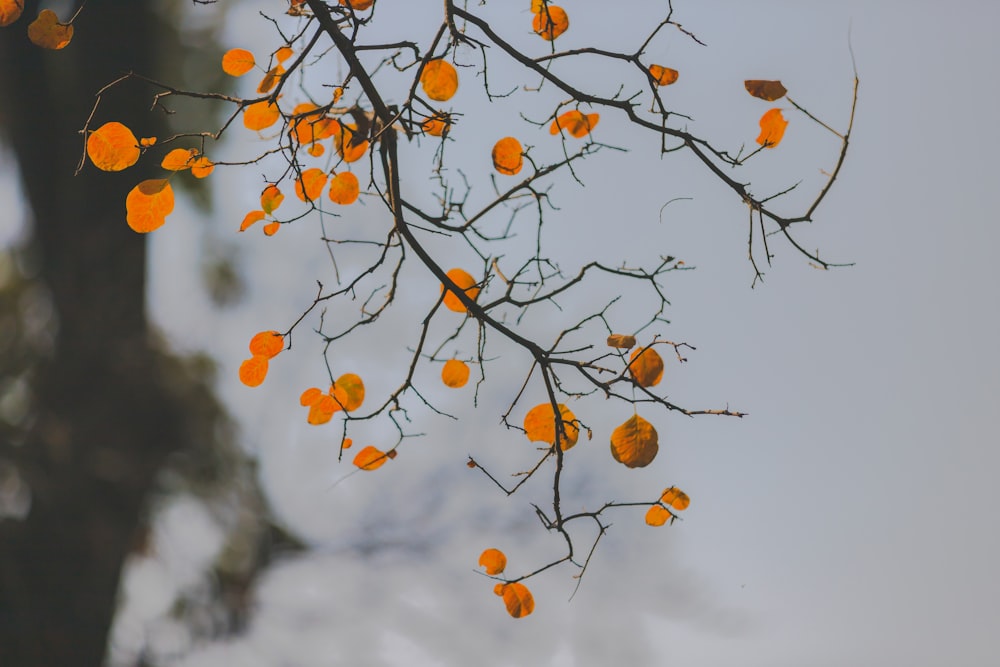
x,y
104,422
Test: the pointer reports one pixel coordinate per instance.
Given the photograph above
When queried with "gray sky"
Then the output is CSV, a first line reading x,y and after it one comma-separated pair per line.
x,y
847,520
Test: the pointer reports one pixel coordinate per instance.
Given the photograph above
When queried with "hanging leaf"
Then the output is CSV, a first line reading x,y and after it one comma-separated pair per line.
x,y
10,11
267,344
772,128
309,185
348,391
344,188
113,147
283,54
464,282
518,599
675,498
439,80
370,458
663,76
455,373
261,115
493,560
657,515
202,167
253,370
237,62
310,396
646,366
436,125
540,425
765,90
550,22
250,219
351,145
271,198
271,228
575,122
148,205
635,443
508,156
179,159
271,79
621,341
47,32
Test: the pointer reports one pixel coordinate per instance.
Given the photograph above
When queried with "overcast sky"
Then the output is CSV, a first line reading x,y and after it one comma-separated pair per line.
x,y
848,520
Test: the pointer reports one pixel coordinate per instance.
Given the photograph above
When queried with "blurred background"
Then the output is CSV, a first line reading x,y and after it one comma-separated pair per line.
x,y
155,511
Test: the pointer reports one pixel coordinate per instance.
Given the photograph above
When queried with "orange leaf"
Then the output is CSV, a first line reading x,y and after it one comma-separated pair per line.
x,y
540,425
508,156
436,125
270,79
250,219
148,204
663,76
575,122
358,5
370,458
237,62
621,341
350,145
455,373
310,396
344,188
646,366
635,443
271,198
675,498
10,11
146,142
322,410
283,54
551,22
47,32
202,167
309,186
493,560
271,228
439,80
464,282
253,370
261,115
112,147
772,128
348,442
765,90
348,391
657,515
518,599
267,344
179,159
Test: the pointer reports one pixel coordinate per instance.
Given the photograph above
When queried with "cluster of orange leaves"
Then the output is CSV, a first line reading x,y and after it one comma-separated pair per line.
x,y
346,393
264,346
516,596
772,123
658,513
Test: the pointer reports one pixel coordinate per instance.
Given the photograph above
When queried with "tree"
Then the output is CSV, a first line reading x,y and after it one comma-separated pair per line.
x,y
343,112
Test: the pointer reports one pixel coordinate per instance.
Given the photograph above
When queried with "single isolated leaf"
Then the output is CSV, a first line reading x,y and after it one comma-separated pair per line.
x,y
765,90
646,366
344,188
657,515
179,159
253,370
357,5
10,11
348,391
267,344
550,22
47,32
772,128
508,156
540,425
237,62
309,186
465,282
348,442
112,147
370,458
675,498
455,373
439,80
575,122
250,219
635,443
518,599
271,228
621,341
271,79
493,560
148,205
202,167
663,76
261,115
271,198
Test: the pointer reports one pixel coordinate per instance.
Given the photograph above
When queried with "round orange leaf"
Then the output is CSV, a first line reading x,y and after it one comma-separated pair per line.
x,y
310,396
663,76
112,147
575,122
436,125
344,188
493,560
675,498
237,62
635,442
657,515
253,370
10,11
540,425
283,54
455,373
271,198
202,167
47,32
179,159
772,128
271,228
439,80
465,282
518,600
348,391
551,22
508,156
267,344
646,366
309,186
370,458
148,204
322,410
261,115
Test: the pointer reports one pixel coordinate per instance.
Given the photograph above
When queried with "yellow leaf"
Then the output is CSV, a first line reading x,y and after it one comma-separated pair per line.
x,y
657,516
455,373
646,366
112,147
635,442
765,90
464,282
508,156
675,498
348,391
439,80
148,204
267,344
772,128
518,599
550,23
271,198
253,370
10,11
493,560
663,76
621,341
47,32
370,458
540,425
237,62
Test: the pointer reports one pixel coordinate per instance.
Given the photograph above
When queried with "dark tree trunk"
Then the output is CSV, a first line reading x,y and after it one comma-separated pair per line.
x,y
104,421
